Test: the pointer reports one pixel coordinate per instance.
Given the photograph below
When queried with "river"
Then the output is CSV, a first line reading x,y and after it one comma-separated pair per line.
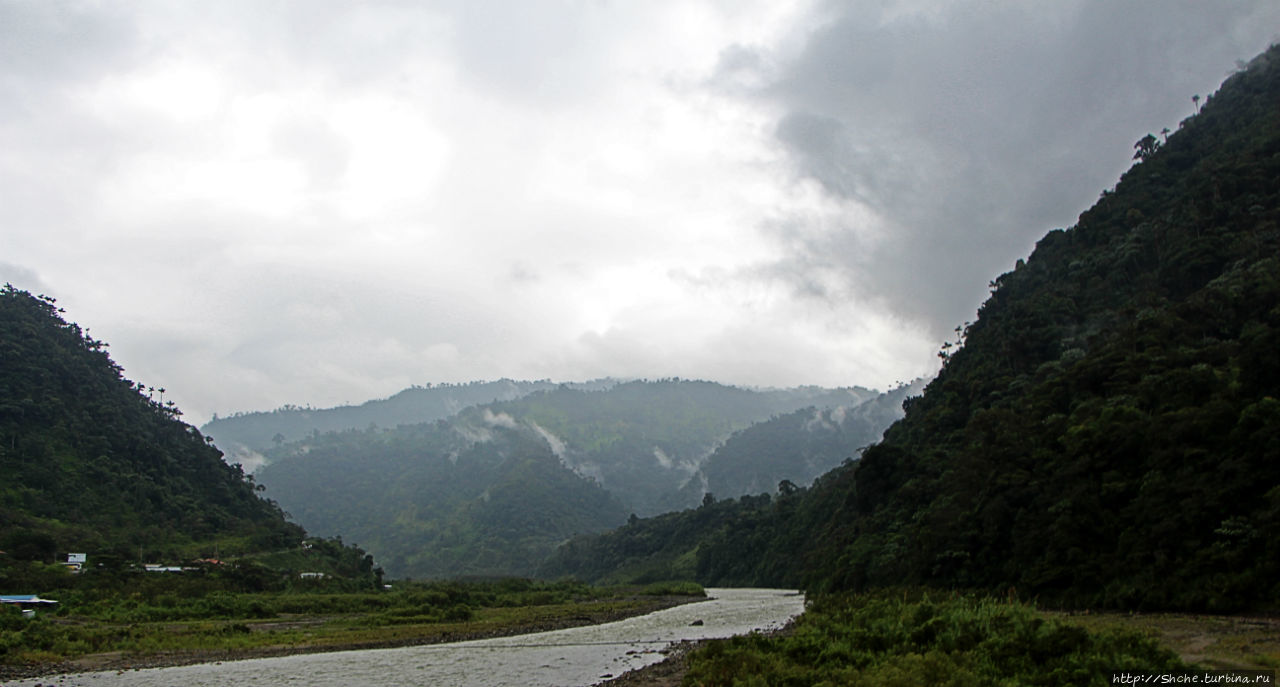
x,y
575,656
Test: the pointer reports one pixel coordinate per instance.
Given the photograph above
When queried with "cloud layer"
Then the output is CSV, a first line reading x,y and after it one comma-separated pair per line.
x,y
325,202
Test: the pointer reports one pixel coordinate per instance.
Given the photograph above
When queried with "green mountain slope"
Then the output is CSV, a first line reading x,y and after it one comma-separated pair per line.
x,y
1108,431
796,447
494,489
441,499
646,440
92,463
784,453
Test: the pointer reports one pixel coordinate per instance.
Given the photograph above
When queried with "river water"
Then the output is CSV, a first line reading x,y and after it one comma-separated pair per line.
x,y
562,658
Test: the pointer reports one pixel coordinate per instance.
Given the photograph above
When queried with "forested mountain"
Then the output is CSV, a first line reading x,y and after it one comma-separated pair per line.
x,y
1107,432
645,440
495,488
441,499
796,447
244,437
93,462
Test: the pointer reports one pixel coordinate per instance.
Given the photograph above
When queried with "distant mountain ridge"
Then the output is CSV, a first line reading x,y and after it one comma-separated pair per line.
x,y
244,437
645,440
417,495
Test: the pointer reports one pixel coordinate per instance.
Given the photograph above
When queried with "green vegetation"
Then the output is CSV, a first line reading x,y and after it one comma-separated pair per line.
x,y
341,567
914,638
174,613
796,447
435,501
642,440
664,547
673,588
762,457
1217,642
94,462
494,489
97,464
752,541
1104,435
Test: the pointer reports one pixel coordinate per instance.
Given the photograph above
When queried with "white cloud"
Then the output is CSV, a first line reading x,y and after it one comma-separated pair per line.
x,y
321,203
499,419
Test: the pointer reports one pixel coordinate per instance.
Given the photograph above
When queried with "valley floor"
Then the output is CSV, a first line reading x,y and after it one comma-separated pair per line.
x,y
1213,642
316,639
1221,642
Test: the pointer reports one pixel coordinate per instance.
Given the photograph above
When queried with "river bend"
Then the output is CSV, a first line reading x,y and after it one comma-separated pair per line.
x,y
561,658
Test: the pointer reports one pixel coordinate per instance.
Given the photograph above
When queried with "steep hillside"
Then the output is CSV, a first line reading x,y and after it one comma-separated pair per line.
x,y
1106,433
796,447
94,462
750,541
441,499
665,547
1109,432
764,470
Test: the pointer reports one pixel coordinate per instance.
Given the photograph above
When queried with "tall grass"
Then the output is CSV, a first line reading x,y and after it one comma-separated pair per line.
x,y
919,638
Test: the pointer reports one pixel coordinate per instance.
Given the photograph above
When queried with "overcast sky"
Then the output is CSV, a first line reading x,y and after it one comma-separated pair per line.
x,y
257,203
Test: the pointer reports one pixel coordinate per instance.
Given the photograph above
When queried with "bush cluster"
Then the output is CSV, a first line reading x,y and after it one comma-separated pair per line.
x,y
896,637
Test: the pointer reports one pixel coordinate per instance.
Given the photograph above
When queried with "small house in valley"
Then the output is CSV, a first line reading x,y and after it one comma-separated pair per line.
x,y
29,603
75,561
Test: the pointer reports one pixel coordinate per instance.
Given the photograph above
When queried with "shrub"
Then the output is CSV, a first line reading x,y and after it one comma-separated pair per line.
x,y
912,638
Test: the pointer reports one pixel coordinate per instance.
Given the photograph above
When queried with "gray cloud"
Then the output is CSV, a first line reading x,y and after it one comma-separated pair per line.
x,y
827,152
972,128
22,278
323,202
63,42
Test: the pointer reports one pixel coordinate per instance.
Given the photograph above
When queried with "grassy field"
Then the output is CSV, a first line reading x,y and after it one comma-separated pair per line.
x,y
919,637
1211,641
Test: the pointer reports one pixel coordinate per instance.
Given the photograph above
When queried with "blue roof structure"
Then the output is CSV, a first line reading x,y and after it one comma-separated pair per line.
x,y
24,599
